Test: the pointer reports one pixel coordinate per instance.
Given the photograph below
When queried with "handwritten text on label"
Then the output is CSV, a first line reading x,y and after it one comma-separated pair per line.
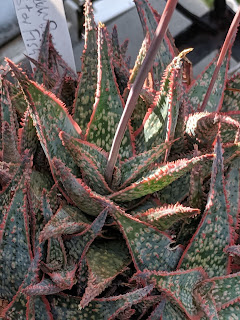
x,y
32,17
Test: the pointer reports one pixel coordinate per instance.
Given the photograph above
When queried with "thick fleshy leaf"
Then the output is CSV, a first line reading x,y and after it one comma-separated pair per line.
x,y
231,312
179,286
9,134
44,287
134,168
76,248
179,189
160,121
17,97
27,135
105,261
7,109
65,277
164,217
146,205
137,117
56,254
225,290
108,105
198,89
43,57
233,250
231,95
18,307
67,220
9,149
214,232
196,190
232,190
8,192
49,117
78,147
141,56
120,67
41,308
67,307
83,105
43,75
77,192
205,301
149,248
165,54
78,245
15,248
158,311
172,312
56,63
157,179
202,128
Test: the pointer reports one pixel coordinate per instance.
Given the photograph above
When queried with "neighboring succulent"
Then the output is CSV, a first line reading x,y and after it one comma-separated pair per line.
x,y
158,241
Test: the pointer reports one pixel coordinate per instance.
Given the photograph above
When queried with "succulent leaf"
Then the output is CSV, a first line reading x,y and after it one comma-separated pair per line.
x,y
233,311
44,287
66,307
166,52
179,287
67,220
198,88
141,56
27,135
148,246
120,67
43,57
113,257
202,128
232,190
213,234
9,134
41,308
108,105
222,297
134,168
49,116
78,147
79,193
85,96
172,312
78,245
160,121
56,254
8,192
164,217
157,179
15,248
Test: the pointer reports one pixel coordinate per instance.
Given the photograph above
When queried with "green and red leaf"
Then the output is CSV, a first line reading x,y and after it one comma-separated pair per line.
x,y
108,105
214,232
64,307
157,179
86,91
113,257
149,248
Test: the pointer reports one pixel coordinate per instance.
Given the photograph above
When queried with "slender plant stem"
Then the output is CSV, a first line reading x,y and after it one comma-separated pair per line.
x,y
227,43
137,86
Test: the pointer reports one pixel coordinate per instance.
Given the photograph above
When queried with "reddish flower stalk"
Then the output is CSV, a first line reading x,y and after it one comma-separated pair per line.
x,y
137,86
227,43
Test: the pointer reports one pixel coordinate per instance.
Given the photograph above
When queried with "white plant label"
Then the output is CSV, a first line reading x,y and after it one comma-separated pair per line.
x,y
32,18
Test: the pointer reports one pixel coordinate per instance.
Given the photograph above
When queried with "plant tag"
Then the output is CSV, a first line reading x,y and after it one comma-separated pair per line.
x,y
32,18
